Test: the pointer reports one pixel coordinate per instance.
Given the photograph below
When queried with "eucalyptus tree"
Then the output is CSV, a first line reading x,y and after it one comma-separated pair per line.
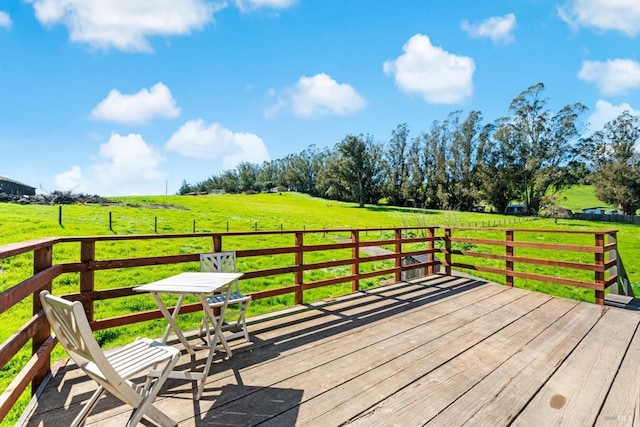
x,y
395,164
498,167
615,159
543,142
434,166
417,172
352,171
247,176
463,149
269,175
301,170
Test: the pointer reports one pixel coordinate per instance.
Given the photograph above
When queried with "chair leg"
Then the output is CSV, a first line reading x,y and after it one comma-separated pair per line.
x,y
244,328
148,396
244,320
204,325
82,416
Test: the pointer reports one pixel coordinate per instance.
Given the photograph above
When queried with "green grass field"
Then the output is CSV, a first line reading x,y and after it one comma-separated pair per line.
x,y
580,197
217,213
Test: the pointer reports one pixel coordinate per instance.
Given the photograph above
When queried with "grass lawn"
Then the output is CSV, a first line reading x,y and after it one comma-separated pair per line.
x,y
579,197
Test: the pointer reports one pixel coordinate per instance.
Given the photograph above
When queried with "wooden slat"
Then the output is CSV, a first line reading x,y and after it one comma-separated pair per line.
x,y
403,373
328,282
141,262
15,342
19,384
13,249
383,345
622,405
451,380
327,264
28,287
569,397
503,393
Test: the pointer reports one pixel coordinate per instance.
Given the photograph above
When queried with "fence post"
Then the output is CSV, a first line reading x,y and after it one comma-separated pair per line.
x,y
110,222
217,243
155,224
42,259
614,271
87,276
509,252
355,254
599,273
299,261
447,251
60,215
430,255
398,251
194,225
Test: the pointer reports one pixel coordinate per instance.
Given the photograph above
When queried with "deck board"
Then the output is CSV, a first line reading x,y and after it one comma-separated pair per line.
x,y
575,393
438,351
504,392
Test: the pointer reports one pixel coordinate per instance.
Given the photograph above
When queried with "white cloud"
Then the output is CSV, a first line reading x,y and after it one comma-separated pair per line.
x,y
123,24
125,164
498,28
613,77
603,15
198,140
247,5
5,20
605,112
127,159
319,95
138,108
438,76
71,180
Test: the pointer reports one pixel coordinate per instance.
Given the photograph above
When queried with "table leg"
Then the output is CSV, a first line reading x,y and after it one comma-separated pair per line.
x,y
171,320
217,335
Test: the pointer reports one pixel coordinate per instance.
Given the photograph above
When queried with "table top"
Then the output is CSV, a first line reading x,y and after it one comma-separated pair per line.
x,y
190,283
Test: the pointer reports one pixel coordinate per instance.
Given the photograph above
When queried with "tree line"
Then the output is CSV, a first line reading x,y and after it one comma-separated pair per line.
x,y
461,163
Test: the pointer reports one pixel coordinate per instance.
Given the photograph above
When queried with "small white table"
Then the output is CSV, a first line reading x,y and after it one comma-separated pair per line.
x,y
199,284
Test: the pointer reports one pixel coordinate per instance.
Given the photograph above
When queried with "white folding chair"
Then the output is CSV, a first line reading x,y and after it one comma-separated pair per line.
x,y
113,371
225,262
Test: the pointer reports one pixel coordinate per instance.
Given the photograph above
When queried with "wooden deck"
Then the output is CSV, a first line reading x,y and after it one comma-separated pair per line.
x,y
444,351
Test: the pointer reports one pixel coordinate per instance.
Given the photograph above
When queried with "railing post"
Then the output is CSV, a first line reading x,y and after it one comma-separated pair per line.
x,y
614,271
355,255
217,243
299,276
87,277
599,273
42,259
447,251
509,252
432,246
398,250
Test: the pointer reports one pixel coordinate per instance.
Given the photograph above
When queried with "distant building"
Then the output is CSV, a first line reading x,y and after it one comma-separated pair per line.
x,y
15,188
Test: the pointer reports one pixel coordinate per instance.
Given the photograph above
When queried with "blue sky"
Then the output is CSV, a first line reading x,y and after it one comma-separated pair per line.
x,y
131,97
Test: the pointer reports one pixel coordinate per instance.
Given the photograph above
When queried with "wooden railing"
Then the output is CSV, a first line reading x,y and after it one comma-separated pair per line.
x,y
400,243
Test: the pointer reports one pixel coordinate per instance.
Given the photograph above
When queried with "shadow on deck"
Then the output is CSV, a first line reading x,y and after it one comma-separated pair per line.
x,y
436,351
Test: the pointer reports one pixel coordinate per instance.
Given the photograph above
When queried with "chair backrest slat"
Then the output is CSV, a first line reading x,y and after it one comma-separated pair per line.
x,y
220,262
70,324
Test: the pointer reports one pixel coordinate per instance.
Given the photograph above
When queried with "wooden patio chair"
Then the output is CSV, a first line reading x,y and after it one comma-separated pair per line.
x,y
225,262
112,372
